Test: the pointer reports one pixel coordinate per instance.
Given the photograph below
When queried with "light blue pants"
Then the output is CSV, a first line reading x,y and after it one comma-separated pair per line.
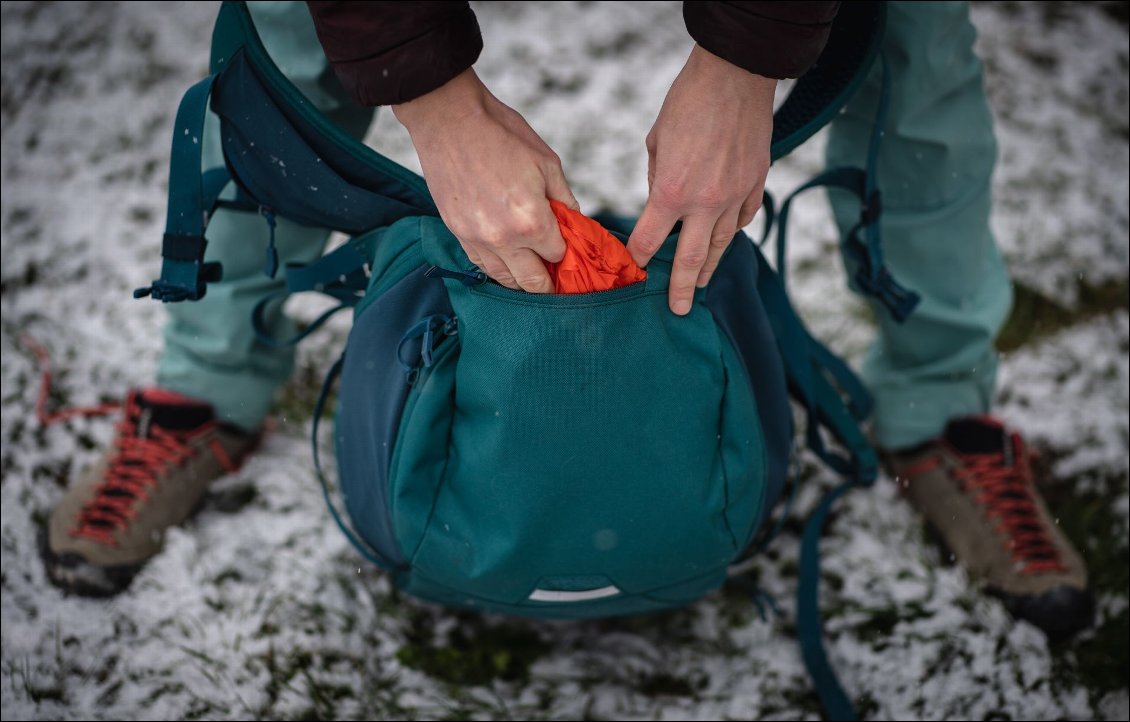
x,y
937,157
211,352
935,166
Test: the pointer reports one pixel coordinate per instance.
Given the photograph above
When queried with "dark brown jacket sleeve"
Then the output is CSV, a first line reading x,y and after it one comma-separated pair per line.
x,y
774,39
392,52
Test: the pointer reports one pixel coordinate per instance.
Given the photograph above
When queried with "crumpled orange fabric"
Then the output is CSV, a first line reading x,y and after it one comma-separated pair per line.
x,y
595,260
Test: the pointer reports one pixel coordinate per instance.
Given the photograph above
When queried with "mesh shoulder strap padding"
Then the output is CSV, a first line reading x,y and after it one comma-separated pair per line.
x,y
285,153
852,47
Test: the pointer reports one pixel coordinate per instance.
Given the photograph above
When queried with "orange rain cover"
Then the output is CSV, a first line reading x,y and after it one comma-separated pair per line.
x,y
595,260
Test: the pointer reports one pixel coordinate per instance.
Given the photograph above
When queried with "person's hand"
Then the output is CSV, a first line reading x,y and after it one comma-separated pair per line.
x,y
708,154
491,177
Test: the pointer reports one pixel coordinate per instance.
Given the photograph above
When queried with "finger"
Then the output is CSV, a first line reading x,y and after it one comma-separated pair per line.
x,y
472,255
494,267
649,143
541,234
651,229
720,239
750,208
557,188
690,255
528,271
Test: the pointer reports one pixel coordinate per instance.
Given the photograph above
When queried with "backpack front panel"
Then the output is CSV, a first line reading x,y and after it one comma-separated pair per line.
x,y
588,450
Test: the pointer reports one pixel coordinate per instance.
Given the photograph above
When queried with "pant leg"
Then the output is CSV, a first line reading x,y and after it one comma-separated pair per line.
x,y
211,352
935,167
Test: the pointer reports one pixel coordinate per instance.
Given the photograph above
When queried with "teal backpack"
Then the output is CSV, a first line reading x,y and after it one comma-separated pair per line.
x,y
502,451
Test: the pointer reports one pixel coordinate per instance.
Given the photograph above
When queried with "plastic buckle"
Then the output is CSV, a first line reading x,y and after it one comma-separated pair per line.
x,y
182,281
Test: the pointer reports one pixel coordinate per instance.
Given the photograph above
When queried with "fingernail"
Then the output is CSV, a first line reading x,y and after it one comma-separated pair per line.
x,y
682,307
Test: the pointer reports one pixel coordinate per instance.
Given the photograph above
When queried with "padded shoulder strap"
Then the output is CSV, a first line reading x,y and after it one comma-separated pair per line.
x,y
334,181
257,101
818,95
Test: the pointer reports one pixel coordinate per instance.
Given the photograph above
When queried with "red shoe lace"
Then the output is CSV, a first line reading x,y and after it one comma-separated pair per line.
x,y
135,467
137,463
1005,490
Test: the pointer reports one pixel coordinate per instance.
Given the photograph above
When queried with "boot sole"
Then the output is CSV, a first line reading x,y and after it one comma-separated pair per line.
x,y
75,575
1060,612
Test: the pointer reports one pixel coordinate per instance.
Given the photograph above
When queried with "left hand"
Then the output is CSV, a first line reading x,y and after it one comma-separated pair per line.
x,y
708,155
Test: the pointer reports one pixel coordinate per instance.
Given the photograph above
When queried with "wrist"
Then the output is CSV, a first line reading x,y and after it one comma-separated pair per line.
x,y
706,63
454,101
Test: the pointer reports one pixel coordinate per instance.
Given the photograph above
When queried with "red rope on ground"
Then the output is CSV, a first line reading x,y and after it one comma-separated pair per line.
x,y
41,412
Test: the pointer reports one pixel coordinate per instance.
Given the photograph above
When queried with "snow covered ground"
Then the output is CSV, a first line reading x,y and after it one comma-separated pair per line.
x,y
259,608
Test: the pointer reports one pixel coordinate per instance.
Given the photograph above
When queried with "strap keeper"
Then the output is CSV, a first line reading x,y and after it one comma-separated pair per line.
x,y
176,247
184,274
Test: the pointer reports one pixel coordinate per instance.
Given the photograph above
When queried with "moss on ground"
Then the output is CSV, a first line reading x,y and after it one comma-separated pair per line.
x,y
472,652
1035,316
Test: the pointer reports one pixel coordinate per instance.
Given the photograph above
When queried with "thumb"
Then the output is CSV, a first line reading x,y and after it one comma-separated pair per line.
x,y
557,188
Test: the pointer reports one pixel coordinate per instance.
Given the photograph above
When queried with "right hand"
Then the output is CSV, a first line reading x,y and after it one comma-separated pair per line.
x,y
708,155
491,177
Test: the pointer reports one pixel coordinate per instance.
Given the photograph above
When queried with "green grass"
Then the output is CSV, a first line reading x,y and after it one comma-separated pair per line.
x,y
1036,316
473,652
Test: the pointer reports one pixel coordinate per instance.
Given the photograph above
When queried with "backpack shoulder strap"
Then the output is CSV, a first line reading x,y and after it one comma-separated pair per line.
x,y
254,99
192,196
852,47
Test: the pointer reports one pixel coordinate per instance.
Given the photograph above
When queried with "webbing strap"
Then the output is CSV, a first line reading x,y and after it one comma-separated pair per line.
x,y
319,408
184,274
821,380
861,243
858,397
811,368
339,274
810,624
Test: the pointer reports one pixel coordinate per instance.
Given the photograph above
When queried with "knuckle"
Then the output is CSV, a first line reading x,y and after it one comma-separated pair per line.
x,y
494,240
754,200
465,235
721,239
713,195
552,160
649,245
683,289
534,284
692,257
667,193
527,227
527,222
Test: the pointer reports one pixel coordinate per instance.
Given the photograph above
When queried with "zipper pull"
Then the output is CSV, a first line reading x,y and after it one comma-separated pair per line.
x,y
469,278
431,330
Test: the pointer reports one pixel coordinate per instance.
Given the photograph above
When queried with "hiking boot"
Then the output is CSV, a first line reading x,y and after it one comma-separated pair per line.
x,y
167,450
974,486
